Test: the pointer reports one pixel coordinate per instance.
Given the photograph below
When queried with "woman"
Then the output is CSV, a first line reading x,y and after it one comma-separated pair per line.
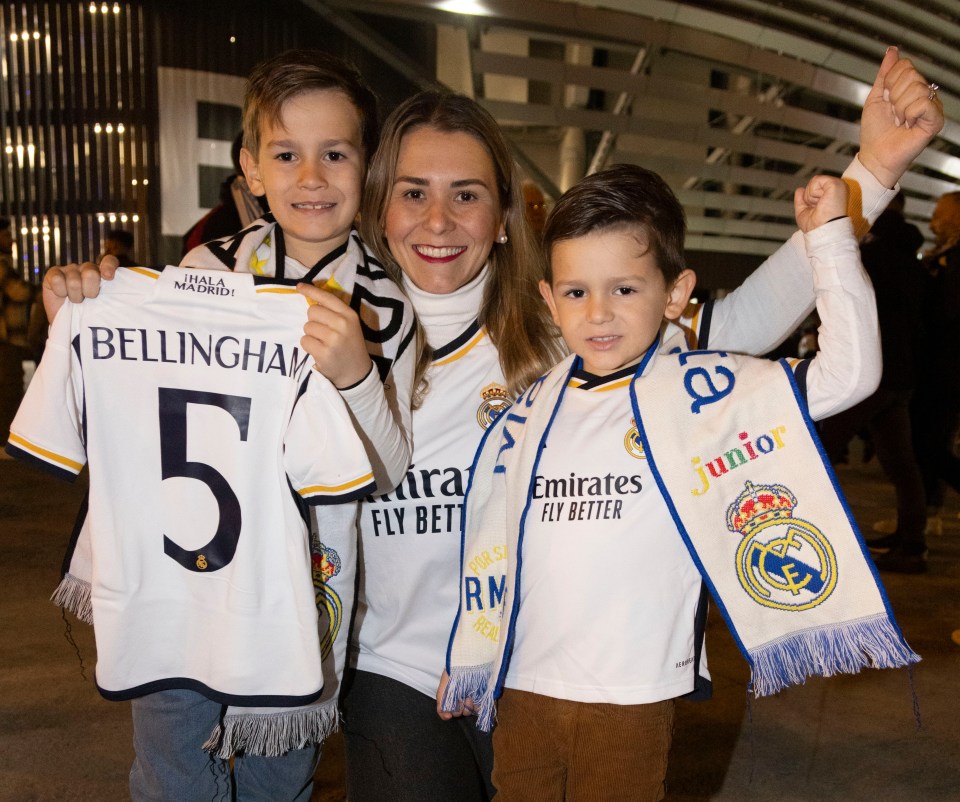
x,y
443,210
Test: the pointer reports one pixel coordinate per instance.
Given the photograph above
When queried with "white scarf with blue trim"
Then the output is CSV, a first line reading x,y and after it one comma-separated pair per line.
x,y
736,457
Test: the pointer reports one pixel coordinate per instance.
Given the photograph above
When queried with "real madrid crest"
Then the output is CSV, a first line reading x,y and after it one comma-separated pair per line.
x,y
783,561
632,441
326,565
495,400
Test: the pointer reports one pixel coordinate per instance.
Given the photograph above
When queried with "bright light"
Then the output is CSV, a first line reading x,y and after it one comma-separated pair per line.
x,y
116,8
123,218
233,40
120,128
104,8
34,230
136,218
101,218
36,34
134,182
146,181
474,7
9,149
93,8
13,37
24,231
109,128
96,128
112,217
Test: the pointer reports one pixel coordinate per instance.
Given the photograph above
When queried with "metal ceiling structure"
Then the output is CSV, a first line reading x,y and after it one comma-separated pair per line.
x,y
734,102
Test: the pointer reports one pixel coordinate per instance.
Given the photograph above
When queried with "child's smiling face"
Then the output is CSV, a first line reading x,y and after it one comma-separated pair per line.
x,y
609,298
310,167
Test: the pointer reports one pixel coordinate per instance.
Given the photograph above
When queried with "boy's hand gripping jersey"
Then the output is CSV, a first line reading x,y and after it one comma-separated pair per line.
x,y
206,430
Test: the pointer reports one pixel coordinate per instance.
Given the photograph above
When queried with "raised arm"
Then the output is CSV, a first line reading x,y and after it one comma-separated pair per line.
x,y
899,119
848,365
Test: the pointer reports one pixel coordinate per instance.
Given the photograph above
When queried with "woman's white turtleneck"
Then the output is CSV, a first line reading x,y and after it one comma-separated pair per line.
x,y
444,317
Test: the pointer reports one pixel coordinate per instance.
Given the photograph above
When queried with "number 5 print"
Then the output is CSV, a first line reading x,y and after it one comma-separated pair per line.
x,y
173,462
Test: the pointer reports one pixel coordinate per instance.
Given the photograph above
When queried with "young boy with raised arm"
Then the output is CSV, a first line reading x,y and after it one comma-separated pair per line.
x,y
638,476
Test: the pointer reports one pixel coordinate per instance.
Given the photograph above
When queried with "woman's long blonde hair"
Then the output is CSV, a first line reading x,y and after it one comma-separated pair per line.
x,y
512,310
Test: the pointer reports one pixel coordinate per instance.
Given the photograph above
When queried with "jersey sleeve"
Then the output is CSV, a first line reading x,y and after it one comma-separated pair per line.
x,y
323,456
848,366
47,429
778,295
381,412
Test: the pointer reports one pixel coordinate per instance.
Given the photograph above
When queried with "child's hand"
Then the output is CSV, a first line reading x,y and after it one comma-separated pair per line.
x,y
75,282
332,336
820,201
466,709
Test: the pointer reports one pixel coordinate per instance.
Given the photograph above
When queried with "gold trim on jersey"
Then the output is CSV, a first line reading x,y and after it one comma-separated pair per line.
x,y
462,350
279,290
145,271
334,489
32,448
617,384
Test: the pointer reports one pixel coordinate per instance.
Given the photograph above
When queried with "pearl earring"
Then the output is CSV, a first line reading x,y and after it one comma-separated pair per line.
x,y
502,239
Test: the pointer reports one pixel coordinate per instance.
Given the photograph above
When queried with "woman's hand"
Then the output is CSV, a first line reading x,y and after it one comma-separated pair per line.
x,y
466,708
899,119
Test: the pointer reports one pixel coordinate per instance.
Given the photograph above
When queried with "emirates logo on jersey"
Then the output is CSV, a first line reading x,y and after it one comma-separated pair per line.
x,y
495,400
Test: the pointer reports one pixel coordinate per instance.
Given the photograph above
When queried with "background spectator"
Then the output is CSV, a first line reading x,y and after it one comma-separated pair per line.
x,y
237,209
119,243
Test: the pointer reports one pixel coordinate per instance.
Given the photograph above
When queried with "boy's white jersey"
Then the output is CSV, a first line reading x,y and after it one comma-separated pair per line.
x,y
610,598
206,431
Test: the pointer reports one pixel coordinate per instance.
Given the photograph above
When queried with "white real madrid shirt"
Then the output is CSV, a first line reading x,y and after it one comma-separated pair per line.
x,y
411,536
610,587
206,430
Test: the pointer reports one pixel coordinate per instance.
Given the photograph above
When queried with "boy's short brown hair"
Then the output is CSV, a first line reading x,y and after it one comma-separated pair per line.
x,y
293,72
624,196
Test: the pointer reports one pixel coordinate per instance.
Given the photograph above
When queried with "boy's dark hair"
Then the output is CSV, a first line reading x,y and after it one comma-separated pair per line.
x,y
628,197
125,238
293,72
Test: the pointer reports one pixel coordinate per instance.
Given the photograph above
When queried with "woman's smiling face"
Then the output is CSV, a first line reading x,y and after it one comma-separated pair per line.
x,y
443,212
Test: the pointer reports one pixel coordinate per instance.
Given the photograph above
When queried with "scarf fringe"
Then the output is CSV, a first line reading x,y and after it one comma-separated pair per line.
x,y
873,642
472,682
73,595
273,734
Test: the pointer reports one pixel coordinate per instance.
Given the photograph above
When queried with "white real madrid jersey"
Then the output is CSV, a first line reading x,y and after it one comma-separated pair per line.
x,y
411,536
206,431
610,595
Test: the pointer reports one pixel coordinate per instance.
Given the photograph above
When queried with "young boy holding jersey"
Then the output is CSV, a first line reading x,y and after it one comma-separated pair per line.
x,y
309,125
637,474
